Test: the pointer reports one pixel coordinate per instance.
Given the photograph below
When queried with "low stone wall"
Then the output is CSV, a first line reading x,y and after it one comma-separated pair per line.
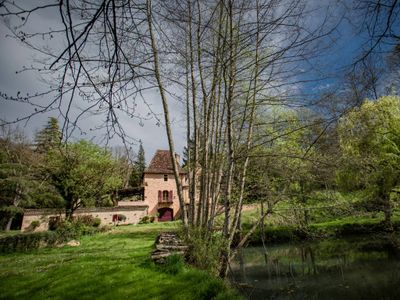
x,y
167,244
133,215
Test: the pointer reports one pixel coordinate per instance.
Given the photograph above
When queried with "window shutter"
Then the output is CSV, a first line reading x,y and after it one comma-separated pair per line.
x,y
170,196
159,195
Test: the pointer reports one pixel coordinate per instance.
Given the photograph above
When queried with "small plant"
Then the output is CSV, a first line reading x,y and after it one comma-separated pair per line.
x,y
35,224
87,220
152,218
144,220
96,222
54,222
121,218
204,252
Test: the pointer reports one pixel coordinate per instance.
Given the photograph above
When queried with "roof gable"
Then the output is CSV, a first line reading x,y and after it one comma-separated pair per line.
x,y
161,163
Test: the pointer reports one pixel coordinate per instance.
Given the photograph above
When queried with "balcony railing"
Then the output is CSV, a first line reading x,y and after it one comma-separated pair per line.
x,y
168,200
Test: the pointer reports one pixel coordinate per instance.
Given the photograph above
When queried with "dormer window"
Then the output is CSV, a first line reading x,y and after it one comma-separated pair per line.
x,y
165,177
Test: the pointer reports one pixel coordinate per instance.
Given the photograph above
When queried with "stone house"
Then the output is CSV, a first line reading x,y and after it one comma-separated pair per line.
x,y
160,191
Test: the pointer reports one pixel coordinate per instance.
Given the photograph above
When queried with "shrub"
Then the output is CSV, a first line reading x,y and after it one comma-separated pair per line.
x,y
204,252
29,241
121,218
65,231
96,222
87,220
144,220
35,224
54,222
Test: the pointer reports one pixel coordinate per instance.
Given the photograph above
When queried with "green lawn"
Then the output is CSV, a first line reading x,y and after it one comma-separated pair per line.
x,y
114,265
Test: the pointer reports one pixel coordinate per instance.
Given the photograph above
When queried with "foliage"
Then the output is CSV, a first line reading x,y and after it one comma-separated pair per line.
x,y
203,253
370,144
144,220
27,241
289,161
82,173
49,137
21,183
87,220
121,218
34,224
64,232
96,222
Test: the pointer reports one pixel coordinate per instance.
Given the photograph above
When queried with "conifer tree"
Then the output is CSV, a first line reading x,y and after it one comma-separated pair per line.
x,y
138,168
49,137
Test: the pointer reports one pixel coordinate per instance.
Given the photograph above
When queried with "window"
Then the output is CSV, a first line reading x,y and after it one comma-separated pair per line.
x,y
165,195
165,177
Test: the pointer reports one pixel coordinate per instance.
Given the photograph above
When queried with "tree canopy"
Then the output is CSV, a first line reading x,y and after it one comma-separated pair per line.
x,y
370,143
83,173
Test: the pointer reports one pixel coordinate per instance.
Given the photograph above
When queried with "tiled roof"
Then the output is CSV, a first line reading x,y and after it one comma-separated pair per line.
x,y
161,163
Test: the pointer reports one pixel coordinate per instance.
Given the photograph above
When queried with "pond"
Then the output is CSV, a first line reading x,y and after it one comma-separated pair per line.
x,y
357,268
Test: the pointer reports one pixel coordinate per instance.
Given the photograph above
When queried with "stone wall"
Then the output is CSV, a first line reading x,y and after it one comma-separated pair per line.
x,y
154,183
133,215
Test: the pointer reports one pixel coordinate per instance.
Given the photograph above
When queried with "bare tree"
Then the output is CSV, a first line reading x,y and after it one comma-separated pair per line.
x,y
237,58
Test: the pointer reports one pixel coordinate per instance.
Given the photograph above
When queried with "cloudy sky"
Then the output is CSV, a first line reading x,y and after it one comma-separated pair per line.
x,y
14,57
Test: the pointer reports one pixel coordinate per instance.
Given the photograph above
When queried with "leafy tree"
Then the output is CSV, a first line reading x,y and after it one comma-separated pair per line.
x,y
21,184
288,163
139,166
370,144
84,174
49,137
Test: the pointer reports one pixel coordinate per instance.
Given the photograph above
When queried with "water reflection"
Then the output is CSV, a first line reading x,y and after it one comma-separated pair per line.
x,y
331,269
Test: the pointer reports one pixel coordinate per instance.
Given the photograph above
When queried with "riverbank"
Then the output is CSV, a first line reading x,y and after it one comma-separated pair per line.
x,y
113,265
337,228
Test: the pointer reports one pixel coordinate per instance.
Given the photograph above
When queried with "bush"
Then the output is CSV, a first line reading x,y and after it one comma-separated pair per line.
x,y
204,253
121,218
144,220
75,229
96,222
87,220
54,222
35,224
29,241
65,231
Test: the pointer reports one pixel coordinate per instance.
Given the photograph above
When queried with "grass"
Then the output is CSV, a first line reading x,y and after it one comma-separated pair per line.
x,y
277,231
114,265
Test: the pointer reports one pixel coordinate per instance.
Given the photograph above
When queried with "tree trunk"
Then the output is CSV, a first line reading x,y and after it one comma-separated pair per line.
x,y
193,187
8,226
166,117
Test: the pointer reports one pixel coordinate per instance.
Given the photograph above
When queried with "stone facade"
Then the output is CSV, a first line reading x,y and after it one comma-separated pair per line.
x,y
157,192
107,215
160,191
